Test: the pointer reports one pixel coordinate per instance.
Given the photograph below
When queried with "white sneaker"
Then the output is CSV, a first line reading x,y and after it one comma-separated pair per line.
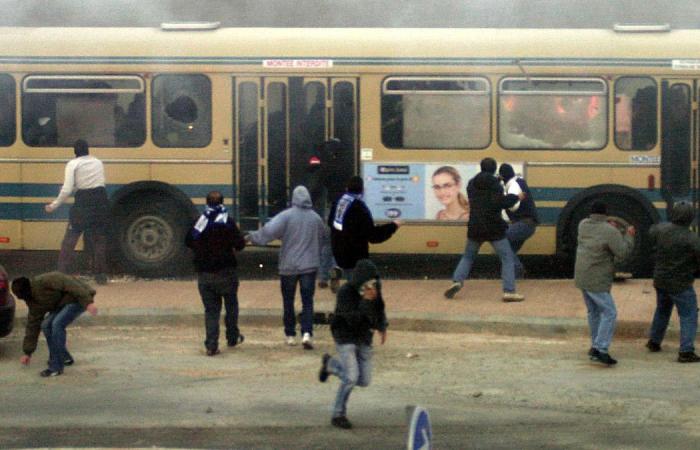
x,y
307,342
512,297
290,340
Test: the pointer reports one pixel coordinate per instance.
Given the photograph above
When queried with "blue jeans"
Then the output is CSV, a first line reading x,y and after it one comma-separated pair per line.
x,y
687,304
353,365
288,285
601,318
54,328
517,233
504,251
212,288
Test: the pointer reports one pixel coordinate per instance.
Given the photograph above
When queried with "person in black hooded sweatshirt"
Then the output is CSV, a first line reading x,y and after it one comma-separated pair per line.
x,y
359,311
486,224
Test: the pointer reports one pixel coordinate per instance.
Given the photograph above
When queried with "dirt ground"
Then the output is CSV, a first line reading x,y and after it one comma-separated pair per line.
x,y
153,386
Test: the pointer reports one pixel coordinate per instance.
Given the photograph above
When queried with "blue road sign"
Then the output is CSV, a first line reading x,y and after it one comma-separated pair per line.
x,y
420,433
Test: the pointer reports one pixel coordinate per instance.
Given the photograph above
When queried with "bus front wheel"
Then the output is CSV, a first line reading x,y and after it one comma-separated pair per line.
x,y
151,238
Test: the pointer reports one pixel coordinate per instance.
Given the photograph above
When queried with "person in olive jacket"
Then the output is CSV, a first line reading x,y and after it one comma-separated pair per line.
x,y
600,244
359,311
54,301
677,260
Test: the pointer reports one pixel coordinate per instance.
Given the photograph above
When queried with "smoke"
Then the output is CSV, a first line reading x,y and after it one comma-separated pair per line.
x,y
352,13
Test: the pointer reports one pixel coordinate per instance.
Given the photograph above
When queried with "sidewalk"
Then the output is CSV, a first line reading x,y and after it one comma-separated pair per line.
x,y
551,307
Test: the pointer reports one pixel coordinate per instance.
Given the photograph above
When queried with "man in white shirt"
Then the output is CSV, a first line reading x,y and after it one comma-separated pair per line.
x,y
521,217
89,214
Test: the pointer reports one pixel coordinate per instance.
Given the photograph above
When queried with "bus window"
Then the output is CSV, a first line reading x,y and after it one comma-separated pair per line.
x,y
635,113
248,134
436,112
7,111
106,111
181,111
276,147
552,113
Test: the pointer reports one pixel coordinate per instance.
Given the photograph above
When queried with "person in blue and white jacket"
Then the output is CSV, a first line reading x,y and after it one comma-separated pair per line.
x,y
215,238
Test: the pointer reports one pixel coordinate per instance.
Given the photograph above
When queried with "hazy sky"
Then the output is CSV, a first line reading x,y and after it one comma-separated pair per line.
x,y
357,13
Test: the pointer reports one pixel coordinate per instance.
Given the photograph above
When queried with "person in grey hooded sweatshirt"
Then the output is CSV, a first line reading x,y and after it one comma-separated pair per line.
x,y
301,230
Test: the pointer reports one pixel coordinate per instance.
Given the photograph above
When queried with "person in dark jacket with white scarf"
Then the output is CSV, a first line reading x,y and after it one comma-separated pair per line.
x,y
215,238
359,311
353,228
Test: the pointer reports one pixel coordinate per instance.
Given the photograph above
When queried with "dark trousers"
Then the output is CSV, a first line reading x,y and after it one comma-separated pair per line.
x,y
213,287
89,216
95,242
288,285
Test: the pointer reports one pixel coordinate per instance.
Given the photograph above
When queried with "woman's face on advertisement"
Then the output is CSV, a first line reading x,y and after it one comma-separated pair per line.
x,y
445,188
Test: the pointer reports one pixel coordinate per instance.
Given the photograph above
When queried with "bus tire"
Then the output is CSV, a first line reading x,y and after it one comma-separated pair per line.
x,y
151,238
627,212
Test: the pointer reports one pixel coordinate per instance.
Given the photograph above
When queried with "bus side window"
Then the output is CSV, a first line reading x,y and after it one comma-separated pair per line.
x,y
635,113
58,109
181,111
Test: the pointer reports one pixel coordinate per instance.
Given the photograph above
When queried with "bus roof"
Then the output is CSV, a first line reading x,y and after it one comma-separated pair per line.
x,y
256,43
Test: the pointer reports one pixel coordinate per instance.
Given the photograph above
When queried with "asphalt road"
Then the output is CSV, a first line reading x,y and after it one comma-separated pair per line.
x,y
153,386
261,263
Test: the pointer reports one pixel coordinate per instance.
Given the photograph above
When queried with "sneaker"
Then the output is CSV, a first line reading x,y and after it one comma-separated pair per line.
x,y
653,346
238,340
307,342
335,275
323,284
213,352
510,297
591,351
50,373
324,373
688,357
456,287
290,340
341,422
603,358
66,362
101,279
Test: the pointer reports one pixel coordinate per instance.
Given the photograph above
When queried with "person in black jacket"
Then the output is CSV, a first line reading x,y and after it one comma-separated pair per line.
x,y
352,227
215,238
359,310
677,260
486,224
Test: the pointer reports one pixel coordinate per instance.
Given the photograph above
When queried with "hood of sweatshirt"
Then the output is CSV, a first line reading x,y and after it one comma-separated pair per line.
x,y
301,198
365,270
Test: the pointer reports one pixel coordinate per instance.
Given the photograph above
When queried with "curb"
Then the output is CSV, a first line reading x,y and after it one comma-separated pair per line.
x,y
545,327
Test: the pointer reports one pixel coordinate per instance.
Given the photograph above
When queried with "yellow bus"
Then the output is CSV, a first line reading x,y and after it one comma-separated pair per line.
x,y
184,109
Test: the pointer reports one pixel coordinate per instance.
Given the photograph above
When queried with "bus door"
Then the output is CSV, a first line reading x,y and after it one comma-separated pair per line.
x,y
281,124
679,146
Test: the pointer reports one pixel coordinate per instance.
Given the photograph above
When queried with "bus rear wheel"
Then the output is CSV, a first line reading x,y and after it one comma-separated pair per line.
x,y
625,212
151,239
